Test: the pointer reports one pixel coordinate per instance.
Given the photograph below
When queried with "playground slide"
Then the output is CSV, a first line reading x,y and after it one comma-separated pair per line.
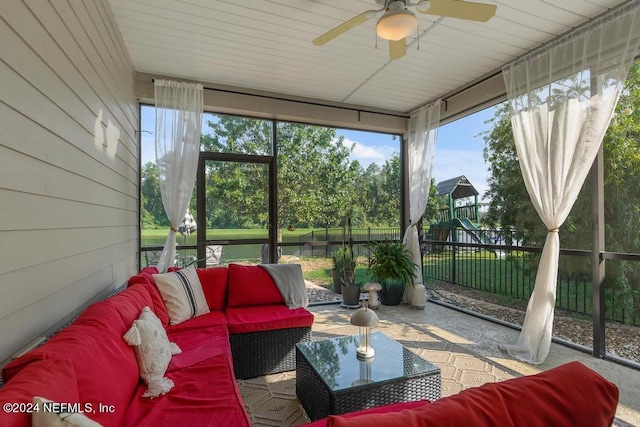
x,y
475,232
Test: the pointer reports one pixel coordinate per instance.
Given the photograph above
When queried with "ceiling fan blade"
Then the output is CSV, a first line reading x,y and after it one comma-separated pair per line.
x,y
397,49
480,12
344,27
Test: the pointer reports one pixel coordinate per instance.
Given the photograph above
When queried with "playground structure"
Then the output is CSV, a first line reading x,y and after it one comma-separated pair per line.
x,y
457,216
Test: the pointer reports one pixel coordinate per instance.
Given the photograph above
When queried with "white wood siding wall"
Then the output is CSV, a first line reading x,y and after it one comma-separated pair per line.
x,y
68,163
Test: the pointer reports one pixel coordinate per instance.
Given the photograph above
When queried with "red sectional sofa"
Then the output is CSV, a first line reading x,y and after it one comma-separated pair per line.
x,y
249,330
89,366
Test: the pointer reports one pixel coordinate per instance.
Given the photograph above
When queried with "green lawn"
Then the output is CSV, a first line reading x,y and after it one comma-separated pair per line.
x,y
323,275
232,253
157,236
509,279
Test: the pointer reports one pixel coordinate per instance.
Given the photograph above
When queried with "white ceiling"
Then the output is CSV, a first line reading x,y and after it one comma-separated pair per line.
x,y
266,45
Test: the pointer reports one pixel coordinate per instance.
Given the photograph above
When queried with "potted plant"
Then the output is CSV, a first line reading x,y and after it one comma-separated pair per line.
x,y
344,266
391,265
345,261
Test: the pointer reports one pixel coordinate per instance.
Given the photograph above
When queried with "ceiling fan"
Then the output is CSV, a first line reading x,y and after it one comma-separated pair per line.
x,y
397,22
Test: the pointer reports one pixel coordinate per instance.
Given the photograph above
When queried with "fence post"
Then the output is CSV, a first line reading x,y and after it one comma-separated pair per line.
x,y
454,239
326,239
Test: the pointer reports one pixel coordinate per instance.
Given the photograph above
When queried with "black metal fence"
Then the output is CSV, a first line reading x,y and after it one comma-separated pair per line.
x,y
509,272
321,243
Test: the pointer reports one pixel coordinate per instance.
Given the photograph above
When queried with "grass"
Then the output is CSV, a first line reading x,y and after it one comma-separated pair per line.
x,y
237,253
150,237
323,275
507,279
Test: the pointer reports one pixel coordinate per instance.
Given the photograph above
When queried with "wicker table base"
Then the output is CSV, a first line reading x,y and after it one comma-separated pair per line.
x,y
331,380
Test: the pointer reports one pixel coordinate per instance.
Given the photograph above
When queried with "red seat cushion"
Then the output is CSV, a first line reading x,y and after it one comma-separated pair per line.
x,y
266,318
251,285
214,286
566,396
205,394
198,345
52,379
212,318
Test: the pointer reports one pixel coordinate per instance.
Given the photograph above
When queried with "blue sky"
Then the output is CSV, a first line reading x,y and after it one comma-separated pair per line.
x,y
458,151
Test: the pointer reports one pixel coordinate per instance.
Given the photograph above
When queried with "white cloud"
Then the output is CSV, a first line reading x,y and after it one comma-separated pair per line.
x,y
367,154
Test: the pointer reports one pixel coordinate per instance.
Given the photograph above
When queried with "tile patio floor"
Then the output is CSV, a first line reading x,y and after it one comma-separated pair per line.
x,y
447,338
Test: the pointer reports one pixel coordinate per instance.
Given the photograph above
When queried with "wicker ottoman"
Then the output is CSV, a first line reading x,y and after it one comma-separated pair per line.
x,y
266,352
330,379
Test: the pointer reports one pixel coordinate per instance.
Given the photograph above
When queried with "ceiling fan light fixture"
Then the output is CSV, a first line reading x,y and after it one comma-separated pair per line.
x,y
397,24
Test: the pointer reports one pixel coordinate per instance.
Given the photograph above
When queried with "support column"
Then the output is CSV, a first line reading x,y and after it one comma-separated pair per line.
x,y
404,185
597,262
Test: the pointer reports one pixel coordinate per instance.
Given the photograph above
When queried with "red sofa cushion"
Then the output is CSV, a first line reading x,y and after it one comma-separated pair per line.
x,y
145,278
569,395
214,286
251,285
205,394
198,345
212,318
130,302
266,318
199,339
53,379
102,360
394,407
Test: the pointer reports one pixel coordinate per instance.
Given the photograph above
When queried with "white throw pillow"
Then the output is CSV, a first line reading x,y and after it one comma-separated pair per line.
x,y
182,293
40,418
153,351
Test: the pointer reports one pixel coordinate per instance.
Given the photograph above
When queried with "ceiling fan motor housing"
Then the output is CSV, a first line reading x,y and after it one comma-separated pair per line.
x,y
389,4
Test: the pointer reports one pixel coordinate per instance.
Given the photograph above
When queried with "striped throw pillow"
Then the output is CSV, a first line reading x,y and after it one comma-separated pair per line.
x,y
182,294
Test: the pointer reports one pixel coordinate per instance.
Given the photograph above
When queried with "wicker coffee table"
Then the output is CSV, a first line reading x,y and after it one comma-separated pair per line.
x,y
330,379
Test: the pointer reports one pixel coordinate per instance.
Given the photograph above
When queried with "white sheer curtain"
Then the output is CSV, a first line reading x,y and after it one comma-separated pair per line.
x,y
561,100
423,136
178,127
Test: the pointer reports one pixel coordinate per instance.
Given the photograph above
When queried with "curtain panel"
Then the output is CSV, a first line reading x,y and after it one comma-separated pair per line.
x,y
423,136
177,136
561,100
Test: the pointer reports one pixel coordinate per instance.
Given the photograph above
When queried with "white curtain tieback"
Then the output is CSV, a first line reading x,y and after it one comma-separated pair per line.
x,y
554,230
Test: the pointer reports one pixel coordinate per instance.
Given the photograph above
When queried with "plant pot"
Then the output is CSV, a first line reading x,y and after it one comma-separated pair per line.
x,y
337,283
351,295
391,293
348,275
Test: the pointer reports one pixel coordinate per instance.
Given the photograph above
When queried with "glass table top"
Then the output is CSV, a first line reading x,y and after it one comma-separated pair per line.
x,y
336,362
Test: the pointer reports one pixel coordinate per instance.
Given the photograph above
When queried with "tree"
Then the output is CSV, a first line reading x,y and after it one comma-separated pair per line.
x,y
434,204
511,208
315,176
237,192
509,205
381,189
318,184
152,210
